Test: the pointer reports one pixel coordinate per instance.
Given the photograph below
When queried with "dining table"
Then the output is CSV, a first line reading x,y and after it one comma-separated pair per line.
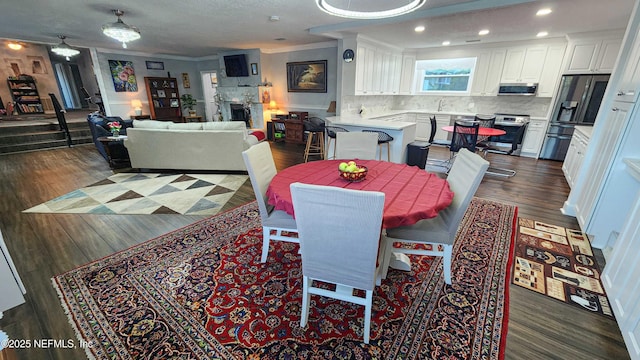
x,y
411,194
482,131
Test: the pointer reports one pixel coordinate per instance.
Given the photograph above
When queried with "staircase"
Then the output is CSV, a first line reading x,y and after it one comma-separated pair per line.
x,y
40,136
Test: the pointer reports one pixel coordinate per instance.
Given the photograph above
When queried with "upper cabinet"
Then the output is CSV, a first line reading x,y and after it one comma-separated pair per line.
x,y
489,66
598,56
551,71
524,64
378,70
408,65
630,82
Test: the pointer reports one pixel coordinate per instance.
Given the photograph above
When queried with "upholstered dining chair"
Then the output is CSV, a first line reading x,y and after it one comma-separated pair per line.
x,y
331,132
341,246
440,232
356,145
261,168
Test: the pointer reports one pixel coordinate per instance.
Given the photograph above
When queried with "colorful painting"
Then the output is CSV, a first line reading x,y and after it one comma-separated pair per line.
x,y
123,75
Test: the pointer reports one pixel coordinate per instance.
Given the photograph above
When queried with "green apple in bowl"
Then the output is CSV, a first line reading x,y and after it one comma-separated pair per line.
x,y
343,166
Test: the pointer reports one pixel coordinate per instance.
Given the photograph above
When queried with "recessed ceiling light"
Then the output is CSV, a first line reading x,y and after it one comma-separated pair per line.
x,y
483,32
419,28
543,12
542,34
445,43
280,39
14,46
274,18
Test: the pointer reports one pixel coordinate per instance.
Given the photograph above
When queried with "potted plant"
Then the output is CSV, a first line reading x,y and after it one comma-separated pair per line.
x,y
188,102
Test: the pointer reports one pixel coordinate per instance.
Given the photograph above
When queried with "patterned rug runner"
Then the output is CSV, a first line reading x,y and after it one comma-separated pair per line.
x,y
149,193
201,293
559,263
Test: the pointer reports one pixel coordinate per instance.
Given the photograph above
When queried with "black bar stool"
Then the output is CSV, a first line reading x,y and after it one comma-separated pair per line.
x,y
383,138
331,136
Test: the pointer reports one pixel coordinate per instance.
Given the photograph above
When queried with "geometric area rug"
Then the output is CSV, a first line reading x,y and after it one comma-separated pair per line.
x,y
559,262
148,193
201,292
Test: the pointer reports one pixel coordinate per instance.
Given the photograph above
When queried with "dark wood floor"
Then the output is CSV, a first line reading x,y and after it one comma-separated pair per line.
x,y
43,245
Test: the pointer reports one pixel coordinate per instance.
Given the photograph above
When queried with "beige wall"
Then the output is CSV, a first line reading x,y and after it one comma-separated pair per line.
x,y
25,58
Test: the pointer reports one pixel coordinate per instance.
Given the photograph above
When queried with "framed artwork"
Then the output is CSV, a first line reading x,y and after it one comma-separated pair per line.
x,y
123,75
307,76
185,81
155,65
254,68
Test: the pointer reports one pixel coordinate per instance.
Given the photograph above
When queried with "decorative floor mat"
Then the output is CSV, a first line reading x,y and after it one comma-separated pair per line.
x,y
149,193
559,263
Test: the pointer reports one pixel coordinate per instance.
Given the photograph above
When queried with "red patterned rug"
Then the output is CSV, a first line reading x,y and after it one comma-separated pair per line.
x,y
201,293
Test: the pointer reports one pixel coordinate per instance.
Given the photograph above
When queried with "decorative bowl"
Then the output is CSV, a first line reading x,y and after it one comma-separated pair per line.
x,y
354,176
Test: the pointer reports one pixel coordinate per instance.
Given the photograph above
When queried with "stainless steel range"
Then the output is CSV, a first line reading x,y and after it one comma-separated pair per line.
x,y
510,123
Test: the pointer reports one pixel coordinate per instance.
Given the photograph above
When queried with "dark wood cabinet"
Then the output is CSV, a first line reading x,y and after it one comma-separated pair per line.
x,y
164,98
25,95
294,130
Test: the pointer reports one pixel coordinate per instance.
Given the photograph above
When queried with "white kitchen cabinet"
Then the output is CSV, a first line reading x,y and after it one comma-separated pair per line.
x,y
630,81
423,127
575,156
533,138
441,121
406,75
551,71
489,66
377,71
616,120
592,56
524,64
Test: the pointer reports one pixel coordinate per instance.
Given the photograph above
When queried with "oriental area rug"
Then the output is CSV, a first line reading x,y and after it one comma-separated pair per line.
x,y
201,292
559,262
148,193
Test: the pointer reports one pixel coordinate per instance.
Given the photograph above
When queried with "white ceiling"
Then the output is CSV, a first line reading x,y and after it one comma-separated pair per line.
x,y
199,28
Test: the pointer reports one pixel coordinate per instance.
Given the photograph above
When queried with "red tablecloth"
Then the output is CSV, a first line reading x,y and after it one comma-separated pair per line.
x,y
411,194
482,131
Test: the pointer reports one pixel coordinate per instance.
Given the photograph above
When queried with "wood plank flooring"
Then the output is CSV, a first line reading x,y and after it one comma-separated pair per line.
x,y
44,245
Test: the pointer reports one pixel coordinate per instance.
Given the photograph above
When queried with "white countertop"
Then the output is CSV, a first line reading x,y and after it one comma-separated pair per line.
x,y
386,113
586,130
356,120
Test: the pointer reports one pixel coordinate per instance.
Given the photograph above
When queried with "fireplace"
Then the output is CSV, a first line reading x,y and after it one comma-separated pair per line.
x,y
239,113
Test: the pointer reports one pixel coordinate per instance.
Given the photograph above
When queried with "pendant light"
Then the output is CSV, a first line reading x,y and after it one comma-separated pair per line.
x,y
355,9
63,49
121,31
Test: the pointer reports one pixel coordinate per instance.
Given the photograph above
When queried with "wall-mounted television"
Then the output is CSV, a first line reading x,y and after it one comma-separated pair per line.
x,y
236,65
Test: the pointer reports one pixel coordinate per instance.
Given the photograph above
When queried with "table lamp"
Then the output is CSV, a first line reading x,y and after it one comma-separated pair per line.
x,y
273,107
137,106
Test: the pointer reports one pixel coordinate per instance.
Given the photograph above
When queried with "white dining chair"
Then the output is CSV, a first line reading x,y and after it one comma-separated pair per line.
x,y
356,145
261,168
339,232
440,232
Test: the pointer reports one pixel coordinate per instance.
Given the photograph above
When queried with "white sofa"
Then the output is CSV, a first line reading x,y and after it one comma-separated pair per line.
x,y
188,146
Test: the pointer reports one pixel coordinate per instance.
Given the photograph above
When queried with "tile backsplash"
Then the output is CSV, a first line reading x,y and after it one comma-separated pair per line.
x,y
530,105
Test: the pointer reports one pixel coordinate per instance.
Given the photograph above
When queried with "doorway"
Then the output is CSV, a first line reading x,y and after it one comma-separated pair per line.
x,y
69,83
210,89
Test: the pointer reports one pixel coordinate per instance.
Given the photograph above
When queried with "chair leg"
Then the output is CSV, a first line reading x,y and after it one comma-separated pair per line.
x,y
266,233
446,263
367,315
388,152
308,146
388,252
306,299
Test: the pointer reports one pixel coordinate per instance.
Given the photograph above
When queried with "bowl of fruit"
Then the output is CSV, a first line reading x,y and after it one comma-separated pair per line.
x,y
351,171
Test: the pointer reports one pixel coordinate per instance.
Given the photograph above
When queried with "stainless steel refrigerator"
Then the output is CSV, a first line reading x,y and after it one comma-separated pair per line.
x,y
577,103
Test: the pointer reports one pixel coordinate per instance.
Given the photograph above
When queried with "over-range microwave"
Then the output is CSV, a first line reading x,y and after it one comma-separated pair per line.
x,y
518,89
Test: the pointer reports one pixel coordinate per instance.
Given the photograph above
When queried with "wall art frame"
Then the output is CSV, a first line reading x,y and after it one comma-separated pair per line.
x,y
307,76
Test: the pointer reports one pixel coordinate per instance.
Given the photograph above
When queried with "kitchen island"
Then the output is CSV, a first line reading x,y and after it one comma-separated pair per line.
x,y
402,132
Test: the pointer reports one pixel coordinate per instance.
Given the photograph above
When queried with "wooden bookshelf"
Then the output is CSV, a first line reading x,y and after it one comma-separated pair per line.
x,y
164,98
25,94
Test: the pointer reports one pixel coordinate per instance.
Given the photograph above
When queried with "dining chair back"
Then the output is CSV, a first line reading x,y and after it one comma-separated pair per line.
x,y
440,232
485,121
356,145
432,135
494,149
330,132
465,136
341,246
258,160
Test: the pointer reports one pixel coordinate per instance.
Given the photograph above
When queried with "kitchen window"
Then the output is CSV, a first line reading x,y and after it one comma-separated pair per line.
x,y
445,76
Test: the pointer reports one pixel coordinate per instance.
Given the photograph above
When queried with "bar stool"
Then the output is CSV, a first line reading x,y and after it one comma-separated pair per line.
x,y
383,138
331,136
314,130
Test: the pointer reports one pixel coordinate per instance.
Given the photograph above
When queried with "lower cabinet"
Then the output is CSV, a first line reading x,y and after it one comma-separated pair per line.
x,y
533,138
575,156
